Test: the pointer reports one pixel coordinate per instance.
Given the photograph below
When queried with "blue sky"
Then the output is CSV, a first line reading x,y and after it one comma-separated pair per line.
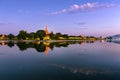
x,y
74,17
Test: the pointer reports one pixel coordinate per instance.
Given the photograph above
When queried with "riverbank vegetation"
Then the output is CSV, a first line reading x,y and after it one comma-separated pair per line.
x,y
41,34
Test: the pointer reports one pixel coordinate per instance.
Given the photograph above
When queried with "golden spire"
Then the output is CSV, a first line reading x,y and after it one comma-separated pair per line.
x,y
46,30
47,37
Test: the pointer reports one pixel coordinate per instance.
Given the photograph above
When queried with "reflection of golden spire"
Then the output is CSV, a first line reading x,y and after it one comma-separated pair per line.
x,y
46,43
38,42
83,43
46,50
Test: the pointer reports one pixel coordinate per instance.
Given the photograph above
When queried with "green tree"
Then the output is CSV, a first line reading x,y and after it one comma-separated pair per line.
x,y
65,36
41,34
11,36
31,35
52,36
58,34
22,35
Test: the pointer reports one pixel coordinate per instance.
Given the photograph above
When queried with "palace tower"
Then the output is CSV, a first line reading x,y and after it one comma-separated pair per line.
x,y
47,37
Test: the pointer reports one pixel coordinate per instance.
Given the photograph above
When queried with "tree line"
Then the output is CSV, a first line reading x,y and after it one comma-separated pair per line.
x,y
40,34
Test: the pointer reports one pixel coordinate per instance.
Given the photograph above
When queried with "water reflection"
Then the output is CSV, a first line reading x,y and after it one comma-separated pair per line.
x,y
114,41
10,44
45,46
41,46
85,70
100,62
2,43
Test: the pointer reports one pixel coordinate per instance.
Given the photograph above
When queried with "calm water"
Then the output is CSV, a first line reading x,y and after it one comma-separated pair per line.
x,y
60,61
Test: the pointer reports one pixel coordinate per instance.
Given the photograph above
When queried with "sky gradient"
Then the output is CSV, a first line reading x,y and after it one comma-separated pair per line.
x,y
74,17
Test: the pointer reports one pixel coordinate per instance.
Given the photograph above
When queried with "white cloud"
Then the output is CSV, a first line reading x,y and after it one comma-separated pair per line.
x,y
60,12
85,7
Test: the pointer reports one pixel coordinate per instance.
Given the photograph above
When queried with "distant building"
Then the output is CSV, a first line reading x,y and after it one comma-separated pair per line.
x,y
116,37
3,36
101,37
47,37
82,36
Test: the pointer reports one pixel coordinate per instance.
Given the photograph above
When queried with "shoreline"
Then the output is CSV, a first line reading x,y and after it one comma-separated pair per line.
x,y
43,40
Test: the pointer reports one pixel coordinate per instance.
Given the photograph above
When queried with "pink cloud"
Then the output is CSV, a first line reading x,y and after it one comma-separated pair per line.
x,y
85,7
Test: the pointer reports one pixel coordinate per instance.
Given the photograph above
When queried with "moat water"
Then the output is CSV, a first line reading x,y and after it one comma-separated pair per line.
x,y
60,60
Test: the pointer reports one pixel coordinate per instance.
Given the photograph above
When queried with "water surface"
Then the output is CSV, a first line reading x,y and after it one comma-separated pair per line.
x,y
59,61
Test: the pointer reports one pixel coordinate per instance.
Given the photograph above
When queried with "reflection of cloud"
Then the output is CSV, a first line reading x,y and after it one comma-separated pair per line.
x,y
85,7
86,71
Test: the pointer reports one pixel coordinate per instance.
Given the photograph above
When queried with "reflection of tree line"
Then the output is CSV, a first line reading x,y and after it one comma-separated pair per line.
x,y
42,46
